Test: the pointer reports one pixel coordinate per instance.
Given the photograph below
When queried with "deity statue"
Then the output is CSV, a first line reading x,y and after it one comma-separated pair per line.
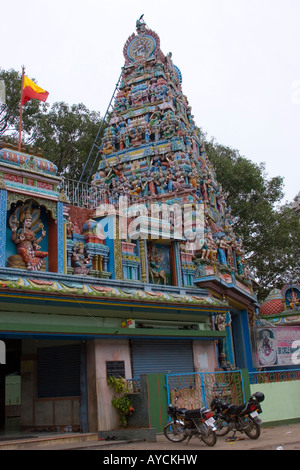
x,y
292,298
222,246
209,249
70,227
81,259
220,321
25,223
221,324
155,267
155,117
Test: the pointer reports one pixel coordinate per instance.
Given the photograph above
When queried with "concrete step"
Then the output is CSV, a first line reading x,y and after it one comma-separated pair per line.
x,y
30,442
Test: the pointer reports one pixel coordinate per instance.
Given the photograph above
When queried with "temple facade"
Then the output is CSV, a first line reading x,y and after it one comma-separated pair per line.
x,y
135,273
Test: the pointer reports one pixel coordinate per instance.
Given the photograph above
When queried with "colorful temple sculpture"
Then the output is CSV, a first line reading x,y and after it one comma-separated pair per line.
x,y
141,273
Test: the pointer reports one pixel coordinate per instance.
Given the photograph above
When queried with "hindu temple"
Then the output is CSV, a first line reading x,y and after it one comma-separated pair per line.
x,y
136,272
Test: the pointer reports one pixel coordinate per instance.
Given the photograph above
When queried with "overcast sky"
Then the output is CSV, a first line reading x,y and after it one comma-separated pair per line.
x,y
239,59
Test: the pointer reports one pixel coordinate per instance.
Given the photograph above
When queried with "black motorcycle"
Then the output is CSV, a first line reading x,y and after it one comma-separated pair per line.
x,y
243,418
188,423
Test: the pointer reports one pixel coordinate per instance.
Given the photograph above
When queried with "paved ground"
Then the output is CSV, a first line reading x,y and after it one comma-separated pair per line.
x,y
272,438
286,437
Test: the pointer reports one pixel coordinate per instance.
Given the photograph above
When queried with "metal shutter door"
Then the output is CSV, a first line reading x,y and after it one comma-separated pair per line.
x,y
162,356
59,371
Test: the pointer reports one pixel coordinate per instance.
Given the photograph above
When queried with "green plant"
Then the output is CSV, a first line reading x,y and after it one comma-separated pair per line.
x,y
121,401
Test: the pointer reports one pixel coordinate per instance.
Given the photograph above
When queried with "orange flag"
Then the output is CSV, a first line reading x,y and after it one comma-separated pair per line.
x,y
32,91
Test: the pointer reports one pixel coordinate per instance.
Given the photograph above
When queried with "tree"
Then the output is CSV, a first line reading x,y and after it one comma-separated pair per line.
x,y
65,135
281,246
270,233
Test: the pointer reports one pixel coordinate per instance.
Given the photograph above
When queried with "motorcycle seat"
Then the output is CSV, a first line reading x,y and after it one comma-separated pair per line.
x,y
237,409
181,411
189,414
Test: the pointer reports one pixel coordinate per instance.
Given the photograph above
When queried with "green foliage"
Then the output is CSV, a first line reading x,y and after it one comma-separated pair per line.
x,y
118,383
121,401
270,233
122,404
281,244
65,135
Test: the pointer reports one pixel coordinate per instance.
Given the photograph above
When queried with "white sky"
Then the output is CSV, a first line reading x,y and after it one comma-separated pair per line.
x,y
240,62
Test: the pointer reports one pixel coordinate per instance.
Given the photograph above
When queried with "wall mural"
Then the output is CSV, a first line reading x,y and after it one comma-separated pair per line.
x,y
277,346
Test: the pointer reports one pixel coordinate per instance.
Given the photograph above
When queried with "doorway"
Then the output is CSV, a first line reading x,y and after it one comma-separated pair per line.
x,y
43,385
10,387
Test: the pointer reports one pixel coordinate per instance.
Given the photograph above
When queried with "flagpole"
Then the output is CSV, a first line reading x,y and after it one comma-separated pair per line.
x,y
21,108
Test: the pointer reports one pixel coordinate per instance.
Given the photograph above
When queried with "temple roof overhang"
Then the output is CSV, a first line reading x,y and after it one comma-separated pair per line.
x,y
51,305
27,176
286,318
53,289
234,290
59,327
13,158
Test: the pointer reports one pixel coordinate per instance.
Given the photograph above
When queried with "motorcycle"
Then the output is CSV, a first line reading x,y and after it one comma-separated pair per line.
x,y
243,418
188,423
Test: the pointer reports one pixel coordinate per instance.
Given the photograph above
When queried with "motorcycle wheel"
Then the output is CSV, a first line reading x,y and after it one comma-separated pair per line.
x,y
222,427
174,432
208,436
252,430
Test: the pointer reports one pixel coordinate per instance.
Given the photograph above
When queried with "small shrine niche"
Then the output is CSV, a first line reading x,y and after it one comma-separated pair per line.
x,y
292,297
87,253
30,237
159,263
130,261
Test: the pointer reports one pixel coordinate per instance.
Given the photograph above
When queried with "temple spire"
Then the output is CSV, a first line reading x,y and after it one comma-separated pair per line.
x,y
152,150
140,25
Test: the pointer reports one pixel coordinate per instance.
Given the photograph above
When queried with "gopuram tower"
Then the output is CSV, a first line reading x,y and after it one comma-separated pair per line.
x,y
152,154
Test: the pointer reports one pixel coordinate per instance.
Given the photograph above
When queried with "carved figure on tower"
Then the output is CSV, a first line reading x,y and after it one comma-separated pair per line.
x,y
81,259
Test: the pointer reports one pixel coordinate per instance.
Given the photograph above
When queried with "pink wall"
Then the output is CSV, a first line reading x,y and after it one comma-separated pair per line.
x,y
205,359
102,415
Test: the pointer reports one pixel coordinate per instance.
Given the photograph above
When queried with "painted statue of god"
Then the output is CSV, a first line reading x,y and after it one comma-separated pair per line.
x,y
25,223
